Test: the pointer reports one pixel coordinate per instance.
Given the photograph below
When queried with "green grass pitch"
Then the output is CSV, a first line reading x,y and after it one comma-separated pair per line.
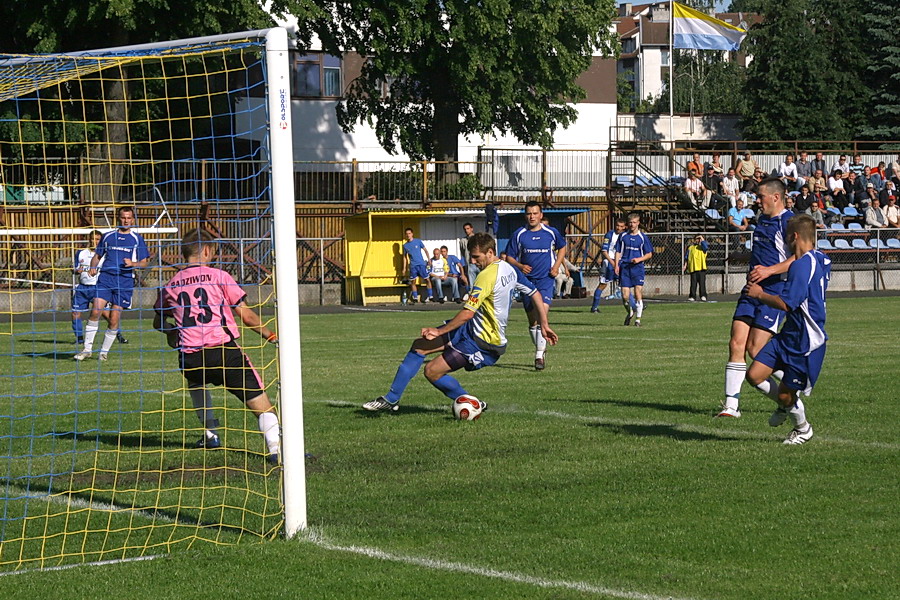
x,y
603,476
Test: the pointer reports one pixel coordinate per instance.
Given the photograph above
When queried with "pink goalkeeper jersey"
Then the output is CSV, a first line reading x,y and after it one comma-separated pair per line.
x,y
200,298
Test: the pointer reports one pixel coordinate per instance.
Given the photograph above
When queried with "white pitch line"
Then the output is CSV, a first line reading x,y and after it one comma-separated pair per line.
x,y
97,563
457,567
760,435
316,538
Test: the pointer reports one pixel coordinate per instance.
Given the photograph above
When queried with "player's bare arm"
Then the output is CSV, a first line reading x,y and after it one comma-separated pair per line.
x,y
461,318
140,264
524,268
643,258
95,262
250,319
755,291
760,272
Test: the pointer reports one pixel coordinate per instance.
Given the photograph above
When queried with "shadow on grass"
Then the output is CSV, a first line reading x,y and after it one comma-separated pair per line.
x,y
514,367
405,409
115,439
665,431
50,355
679,408
51,341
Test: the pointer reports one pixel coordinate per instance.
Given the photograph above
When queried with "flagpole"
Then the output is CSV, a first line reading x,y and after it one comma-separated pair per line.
x,y
671,87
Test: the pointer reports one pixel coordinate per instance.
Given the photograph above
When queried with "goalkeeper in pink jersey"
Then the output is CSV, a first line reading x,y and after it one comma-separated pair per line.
x,y
202,300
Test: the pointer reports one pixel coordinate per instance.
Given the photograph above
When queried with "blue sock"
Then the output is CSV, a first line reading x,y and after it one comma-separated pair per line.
x,y
405,372
450,386
597,293
415,296
632,302
78,328
431,292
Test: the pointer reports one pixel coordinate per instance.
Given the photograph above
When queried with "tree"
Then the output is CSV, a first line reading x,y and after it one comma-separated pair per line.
x,y
438,69
882,22
803,82
705,82
64,26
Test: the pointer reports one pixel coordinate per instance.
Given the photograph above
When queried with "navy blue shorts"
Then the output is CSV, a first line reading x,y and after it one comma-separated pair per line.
x,y
608,273
83,297
631,275
463,352
759,315
544,288
418,272
800,372
115,289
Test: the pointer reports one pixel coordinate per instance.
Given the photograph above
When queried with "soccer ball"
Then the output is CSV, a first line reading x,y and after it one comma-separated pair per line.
x,y
466,408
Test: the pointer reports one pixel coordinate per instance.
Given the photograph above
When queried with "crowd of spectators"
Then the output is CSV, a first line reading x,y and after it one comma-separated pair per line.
x,y
815,188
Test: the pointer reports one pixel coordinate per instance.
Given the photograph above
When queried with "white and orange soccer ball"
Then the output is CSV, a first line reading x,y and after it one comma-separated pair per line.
x,y
467,408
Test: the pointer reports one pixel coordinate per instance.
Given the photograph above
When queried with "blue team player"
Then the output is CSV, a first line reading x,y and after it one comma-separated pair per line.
x,y
633,249
754,323
608,268
475,337
415,262
537,250
86,289
120,250
799,348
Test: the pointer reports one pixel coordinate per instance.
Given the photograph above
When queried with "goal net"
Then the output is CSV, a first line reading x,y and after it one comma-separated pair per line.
x,y
100,458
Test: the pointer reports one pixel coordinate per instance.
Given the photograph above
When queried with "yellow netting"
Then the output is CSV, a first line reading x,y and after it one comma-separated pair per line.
x,y
99,459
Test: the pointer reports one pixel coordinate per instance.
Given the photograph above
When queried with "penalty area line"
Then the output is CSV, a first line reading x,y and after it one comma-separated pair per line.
x,y
510,576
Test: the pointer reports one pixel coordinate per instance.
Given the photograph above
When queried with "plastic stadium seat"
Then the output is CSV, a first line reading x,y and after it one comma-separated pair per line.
x,y
838,226
713,214
877,243
833,210
841,245
641,180
854,226
859,244
748,245
849,211
824,245
893,243
792,194
623,181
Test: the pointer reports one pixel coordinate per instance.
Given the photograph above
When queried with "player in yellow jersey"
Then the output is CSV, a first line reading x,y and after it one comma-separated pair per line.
x,y
476,336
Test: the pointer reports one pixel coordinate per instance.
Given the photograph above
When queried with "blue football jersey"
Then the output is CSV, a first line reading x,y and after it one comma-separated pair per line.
x,y
770,247
633,246
116,246
414,249
804,295
609,242
536,249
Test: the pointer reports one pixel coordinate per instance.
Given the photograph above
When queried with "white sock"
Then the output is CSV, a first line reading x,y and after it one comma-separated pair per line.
x,y
734,377
797,414
90,332
540,343
201,398
268,425
109,338
640,308
769,387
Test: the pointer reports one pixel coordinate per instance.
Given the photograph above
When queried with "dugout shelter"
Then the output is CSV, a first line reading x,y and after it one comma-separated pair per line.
x,y
373,244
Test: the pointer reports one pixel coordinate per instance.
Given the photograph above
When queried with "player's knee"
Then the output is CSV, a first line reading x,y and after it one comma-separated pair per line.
x,y
431,372
753,378
786,397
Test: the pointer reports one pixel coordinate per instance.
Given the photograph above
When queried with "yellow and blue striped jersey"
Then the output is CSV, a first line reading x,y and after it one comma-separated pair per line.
x,y
491,298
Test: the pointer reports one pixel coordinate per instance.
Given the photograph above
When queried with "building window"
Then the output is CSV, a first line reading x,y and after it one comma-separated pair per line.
x,y
317,76
664,58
